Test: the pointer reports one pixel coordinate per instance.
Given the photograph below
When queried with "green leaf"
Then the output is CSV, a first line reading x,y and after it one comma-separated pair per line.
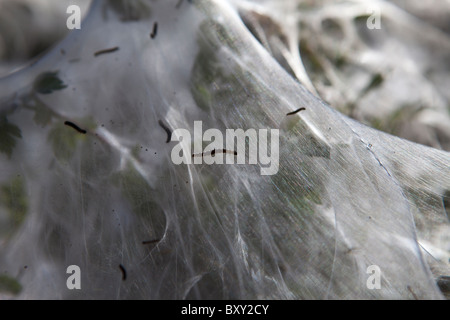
x,y
8,134
9,285
63,140
375,82
48,82
42,113
135,189
14,198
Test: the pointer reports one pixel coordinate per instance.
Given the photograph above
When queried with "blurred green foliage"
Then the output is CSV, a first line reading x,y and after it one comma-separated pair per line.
x,y
13,197
9,132
48,82
9,285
